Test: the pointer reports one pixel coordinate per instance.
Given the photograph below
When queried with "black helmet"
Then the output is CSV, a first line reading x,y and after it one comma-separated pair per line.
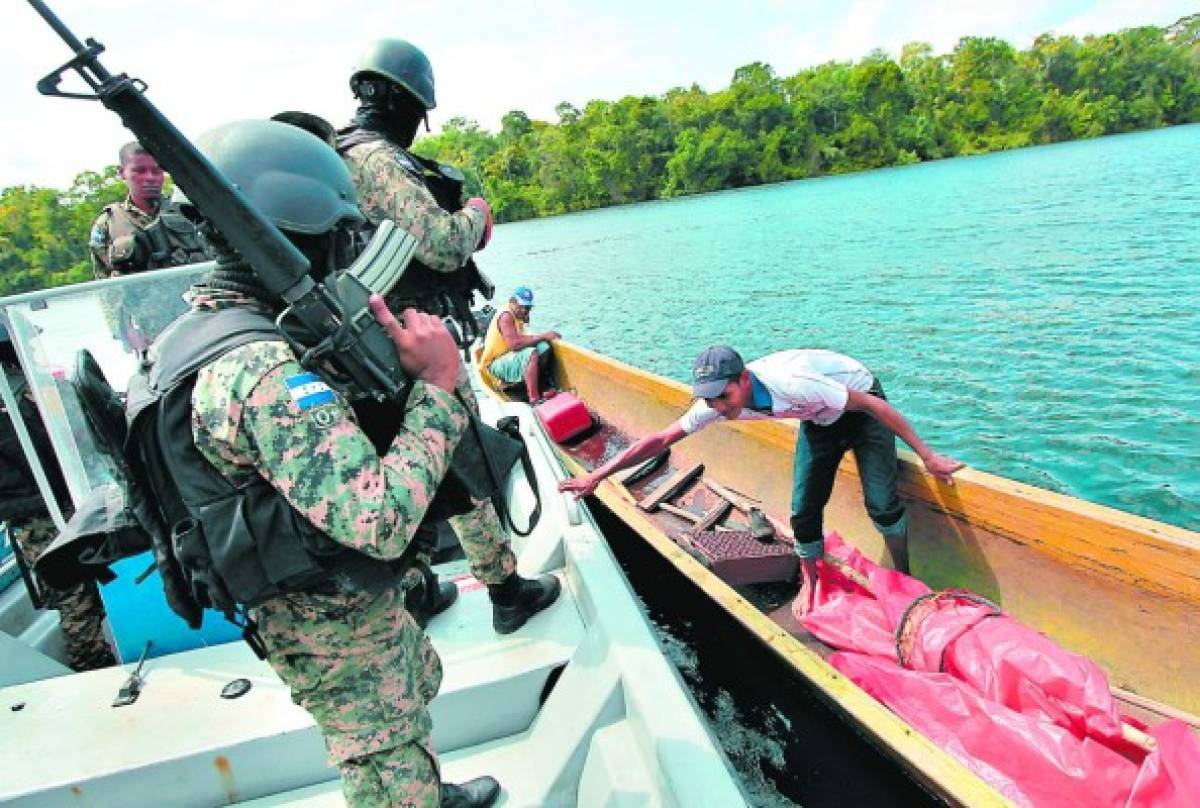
x,y
295,179
399,62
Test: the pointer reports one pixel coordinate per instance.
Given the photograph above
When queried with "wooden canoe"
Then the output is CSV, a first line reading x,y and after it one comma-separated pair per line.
x,y
1121,589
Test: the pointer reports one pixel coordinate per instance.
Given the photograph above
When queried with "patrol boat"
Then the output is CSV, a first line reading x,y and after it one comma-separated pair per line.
x,y
579,707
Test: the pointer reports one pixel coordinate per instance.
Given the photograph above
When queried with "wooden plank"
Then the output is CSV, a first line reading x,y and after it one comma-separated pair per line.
x,y
695,518
1157,707
713,515
743,504
671,487
682,513
639,472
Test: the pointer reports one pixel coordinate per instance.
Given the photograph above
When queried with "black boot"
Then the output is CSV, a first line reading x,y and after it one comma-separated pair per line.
x,y
430,597
518,599
478,793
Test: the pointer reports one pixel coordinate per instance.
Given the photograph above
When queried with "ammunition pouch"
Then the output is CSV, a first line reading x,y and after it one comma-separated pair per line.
x,y
169,240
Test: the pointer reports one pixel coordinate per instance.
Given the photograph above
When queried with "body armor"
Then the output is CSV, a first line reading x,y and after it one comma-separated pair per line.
x,y
168,241
234,542
445,294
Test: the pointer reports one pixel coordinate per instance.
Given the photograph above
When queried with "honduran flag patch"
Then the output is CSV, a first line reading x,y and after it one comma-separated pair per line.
x,y
309,391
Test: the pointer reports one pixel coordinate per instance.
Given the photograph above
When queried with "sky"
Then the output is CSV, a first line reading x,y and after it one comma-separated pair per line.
x,y
207,62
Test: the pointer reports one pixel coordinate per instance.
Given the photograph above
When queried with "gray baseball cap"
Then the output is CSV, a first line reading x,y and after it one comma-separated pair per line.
x,y
714,368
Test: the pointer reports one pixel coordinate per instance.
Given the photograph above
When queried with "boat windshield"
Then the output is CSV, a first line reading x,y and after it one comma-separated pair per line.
x,y
113,319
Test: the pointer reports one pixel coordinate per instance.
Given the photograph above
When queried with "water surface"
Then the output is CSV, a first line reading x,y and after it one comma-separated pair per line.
x,y
1035,313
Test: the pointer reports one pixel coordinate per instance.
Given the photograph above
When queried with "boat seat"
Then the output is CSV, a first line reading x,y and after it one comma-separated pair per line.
x,y
23,663
218,751
581,750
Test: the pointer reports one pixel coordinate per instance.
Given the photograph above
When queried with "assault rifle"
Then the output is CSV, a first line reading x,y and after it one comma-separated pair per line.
x,y
331,327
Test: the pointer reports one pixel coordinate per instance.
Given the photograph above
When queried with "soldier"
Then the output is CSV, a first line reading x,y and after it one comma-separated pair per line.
x,y
394,85
342,642
139,234
81,613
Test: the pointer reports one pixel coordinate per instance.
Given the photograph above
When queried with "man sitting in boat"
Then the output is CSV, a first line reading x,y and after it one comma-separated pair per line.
x,y
842,405
510,356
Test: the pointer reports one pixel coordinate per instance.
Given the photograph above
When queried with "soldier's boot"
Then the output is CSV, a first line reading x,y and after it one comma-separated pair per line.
x,y
478,793
430,597
518,599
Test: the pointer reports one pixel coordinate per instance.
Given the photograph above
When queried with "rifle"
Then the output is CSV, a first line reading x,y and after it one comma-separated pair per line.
x,y
330,326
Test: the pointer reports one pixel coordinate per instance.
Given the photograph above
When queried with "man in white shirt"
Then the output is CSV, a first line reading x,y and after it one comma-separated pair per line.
x,y
842,406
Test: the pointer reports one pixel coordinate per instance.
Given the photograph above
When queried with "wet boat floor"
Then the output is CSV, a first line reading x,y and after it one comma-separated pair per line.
x,y
604,442
790,746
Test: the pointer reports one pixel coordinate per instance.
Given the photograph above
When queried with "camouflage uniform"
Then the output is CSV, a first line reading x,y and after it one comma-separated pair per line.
x,y
79,608
389,186
156,307
355,659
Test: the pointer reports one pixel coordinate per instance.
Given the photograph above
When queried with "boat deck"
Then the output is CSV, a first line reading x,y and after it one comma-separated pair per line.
x,y
260,743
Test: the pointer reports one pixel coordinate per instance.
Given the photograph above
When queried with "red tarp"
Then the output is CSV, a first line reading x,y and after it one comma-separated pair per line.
x,y
1036,722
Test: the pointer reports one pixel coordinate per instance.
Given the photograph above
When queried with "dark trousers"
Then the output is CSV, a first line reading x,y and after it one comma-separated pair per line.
x,y
819,451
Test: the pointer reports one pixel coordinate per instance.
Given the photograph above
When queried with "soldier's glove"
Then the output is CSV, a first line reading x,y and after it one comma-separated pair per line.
x,y
481,204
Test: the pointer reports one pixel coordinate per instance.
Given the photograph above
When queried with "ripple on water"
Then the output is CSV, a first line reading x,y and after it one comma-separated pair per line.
x,y
1009,302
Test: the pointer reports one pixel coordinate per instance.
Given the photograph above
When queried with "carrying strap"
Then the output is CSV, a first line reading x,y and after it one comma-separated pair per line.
x,y
510,425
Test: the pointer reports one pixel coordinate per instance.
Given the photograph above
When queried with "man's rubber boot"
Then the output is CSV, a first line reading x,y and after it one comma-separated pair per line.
x,y
518,599
430,597
478,793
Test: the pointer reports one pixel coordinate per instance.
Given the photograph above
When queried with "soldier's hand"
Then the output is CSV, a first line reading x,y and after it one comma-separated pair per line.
x,y
481,204
427,350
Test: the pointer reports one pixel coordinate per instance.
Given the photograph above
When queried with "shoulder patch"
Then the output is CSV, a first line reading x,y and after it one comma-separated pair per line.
x,y
308,391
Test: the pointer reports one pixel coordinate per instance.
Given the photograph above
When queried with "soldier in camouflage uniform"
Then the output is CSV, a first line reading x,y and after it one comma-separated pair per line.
x,y
138,234
394,84
81,613
351,655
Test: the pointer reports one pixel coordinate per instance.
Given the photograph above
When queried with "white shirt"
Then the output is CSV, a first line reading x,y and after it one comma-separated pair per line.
x,y
807,385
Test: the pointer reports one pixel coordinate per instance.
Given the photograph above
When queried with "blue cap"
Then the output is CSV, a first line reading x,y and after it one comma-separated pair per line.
x,y
523,295
714,368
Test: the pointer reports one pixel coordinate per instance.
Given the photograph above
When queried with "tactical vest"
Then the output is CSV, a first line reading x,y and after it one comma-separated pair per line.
x,y
445,294
234,543
20,497
169,240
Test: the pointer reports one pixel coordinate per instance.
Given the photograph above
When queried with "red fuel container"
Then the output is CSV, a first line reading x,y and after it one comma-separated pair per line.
x,y
564,417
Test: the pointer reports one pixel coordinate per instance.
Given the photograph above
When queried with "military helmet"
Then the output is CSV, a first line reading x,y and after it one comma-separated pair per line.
x,y
294,178
400,62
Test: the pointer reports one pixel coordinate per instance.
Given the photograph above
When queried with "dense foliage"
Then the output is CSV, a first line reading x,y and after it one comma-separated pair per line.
x,y
833,118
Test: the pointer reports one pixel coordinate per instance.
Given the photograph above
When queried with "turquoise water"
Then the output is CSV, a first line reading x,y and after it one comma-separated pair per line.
x,y
1035,313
